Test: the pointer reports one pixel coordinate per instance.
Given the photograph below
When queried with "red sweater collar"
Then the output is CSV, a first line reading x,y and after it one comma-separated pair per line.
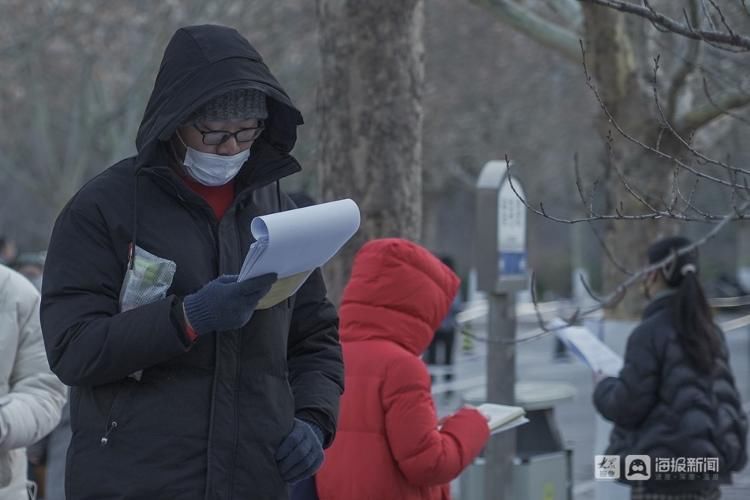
x,y
219,198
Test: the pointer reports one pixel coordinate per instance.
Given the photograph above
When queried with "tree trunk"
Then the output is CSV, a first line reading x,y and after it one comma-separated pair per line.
x,y
370,108
611,63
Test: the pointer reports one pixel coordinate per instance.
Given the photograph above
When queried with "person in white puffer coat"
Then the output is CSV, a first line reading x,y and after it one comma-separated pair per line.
x,y
31,396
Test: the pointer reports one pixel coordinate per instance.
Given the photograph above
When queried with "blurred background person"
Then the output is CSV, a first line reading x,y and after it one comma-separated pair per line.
x,y
8,251
675,396
31,397
31,265
47,456
445,335
389,443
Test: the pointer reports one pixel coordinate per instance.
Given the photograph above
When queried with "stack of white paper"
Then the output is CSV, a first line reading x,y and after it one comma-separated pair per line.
x,y
293,243
592,351
501,418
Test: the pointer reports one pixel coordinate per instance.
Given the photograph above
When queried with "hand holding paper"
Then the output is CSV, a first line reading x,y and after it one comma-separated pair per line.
x,y
225,303
589,349
501,418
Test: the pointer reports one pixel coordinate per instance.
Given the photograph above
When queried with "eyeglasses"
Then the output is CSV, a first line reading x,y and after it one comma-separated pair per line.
x,y
217,137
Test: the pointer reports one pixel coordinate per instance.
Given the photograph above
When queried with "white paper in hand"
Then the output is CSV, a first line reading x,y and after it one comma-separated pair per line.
x,y
592,351
295,242
501,418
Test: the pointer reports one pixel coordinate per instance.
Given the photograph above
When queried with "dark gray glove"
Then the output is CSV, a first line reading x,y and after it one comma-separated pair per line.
x,y
225,303
301,452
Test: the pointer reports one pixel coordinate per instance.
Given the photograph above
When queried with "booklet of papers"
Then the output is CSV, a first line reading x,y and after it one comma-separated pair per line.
x,y
592,351
501,418
294,243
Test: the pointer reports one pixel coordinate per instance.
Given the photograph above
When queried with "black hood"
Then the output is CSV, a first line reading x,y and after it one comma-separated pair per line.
x,y
200,63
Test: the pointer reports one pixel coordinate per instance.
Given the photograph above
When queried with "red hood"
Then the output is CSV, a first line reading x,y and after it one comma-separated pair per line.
x,y
398,291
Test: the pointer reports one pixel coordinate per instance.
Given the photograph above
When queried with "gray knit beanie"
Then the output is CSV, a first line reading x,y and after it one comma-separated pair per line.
x,y
240,104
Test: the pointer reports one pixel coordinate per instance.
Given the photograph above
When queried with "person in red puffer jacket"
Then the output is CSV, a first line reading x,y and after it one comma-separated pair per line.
x,y
389,444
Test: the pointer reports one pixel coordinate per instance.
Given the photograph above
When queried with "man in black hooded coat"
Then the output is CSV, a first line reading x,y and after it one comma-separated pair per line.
x,y
179,396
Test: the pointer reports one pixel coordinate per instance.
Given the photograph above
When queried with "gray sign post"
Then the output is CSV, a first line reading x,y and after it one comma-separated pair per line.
x,y
500,260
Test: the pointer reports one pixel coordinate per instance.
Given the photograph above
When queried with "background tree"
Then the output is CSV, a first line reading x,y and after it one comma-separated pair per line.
x,y
76,77
370,112
487,92
664,113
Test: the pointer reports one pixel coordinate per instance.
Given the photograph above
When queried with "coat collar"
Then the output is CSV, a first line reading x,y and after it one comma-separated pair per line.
x,y
661,300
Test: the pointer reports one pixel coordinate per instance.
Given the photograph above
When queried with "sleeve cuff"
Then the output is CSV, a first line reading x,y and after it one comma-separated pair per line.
x,y
316,430
187,334
191,334
319,420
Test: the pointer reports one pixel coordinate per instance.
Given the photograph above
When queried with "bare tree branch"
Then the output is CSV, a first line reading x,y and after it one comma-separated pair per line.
x,y
603,244
547,328
637,142
547,33
685,143
618,216
724,104
723,19
586,201
713,102
707,15
623,180
688,64
702,115
614,296
570,10
729,39
688,201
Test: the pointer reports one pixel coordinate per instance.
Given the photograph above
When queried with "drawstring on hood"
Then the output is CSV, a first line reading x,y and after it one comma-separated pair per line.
x,y
131,250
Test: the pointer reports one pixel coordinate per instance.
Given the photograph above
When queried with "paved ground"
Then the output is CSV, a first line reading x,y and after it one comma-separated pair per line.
x,y
576,417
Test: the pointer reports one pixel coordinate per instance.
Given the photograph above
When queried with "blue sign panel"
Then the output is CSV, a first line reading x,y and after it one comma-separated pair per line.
x,y
511,263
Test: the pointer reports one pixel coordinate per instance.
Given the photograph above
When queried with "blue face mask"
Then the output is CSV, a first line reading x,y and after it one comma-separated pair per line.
x,y
211,169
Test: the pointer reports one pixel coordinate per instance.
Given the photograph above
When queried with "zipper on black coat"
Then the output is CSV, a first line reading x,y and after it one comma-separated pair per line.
x,y
108,430
213,232
121,396
215,240
238,372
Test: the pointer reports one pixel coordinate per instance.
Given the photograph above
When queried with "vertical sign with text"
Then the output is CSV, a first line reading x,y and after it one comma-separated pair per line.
x,y
511,230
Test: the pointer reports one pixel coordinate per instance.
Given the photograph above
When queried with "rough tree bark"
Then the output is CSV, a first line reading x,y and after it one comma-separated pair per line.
x,y
370,109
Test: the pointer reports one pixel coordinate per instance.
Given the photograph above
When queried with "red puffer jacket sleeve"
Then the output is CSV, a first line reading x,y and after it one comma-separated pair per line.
x,y
425,455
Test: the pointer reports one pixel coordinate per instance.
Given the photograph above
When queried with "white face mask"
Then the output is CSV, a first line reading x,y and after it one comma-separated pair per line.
x,y
211,169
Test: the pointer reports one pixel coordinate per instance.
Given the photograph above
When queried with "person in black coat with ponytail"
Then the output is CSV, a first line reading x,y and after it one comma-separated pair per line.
x,y
675,397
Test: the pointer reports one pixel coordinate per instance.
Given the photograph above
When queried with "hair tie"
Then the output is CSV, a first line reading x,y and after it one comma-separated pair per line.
x,y
687,268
